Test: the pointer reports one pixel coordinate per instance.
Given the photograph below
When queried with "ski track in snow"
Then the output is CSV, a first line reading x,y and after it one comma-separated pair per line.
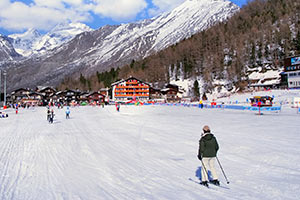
x,y
146,152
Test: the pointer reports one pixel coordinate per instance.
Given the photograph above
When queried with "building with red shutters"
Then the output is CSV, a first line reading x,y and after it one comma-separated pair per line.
x,y
130,89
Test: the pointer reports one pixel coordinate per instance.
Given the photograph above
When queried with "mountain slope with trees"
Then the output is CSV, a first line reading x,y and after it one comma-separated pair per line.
x,y
257,38
115,46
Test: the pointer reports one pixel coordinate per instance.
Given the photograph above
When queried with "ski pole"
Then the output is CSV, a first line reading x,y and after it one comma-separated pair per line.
x,y
204,169
222,170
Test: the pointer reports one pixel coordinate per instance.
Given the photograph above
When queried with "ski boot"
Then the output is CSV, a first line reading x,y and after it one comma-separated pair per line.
x,y
204,183
215,182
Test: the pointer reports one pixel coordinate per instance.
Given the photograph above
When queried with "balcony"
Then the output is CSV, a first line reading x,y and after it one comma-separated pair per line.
x,y
133,82
130,87
131,95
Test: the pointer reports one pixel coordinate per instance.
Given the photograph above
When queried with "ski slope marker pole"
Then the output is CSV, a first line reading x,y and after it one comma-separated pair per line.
x,y
222,170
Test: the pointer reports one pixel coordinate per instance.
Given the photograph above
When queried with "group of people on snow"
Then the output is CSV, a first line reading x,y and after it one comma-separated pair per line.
x,y
50,114
3,115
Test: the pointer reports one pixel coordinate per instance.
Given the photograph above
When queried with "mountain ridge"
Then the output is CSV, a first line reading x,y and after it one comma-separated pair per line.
x,y
33,43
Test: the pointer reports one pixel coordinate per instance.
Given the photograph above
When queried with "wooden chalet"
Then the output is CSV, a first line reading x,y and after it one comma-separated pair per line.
x,y
105,92
83,97
96,97
155,93
47,92
65,97
19,94
129,89
34,98
71,96
172,86
170,93
58,97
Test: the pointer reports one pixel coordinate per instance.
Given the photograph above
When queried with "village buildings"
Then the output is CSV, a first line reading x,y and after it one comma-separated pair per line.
x,y
125,90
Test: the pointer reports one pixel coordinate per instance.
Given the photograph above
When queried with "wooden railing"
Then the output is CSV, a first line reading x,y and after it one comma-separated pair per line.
x,y
118,91
136,86
130,95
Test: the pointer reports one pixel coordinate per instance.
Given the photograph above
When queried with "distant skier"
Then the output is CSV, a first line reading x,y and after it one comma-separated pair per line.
x,y
51,116
118,107
201,104
48,114
208,148
68,113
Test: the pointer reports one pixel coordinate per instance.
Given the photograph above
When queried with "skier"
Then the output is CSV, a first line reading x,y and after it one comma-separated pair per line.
x,y
68,113
51,116
201,104
118,107
208,148
48,114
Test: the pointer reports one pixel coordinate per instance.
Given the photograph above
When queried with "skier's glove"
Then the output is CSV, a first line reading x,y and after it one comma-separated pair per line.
x,y
199,157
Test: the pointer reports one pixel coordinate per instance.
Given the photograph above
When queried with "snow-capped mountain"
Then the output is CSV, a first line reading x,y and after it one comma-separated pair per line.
x,y
140,39
114,46
24,42
32,42
7,51
60,34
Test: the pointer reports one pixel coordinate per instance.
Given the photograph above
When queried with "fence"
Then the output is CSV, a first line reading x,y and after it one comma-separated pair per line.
x,y
233,107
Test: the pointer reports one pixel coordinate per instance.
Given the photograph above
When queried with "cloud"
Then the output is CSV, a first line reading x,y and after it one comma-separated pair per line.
x,y
41,14
45,14
119,9
163,6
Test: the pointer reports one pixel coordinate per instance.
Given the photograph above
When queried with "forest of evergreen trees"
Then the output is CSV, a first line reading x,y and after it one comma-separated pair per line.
x,y
262,34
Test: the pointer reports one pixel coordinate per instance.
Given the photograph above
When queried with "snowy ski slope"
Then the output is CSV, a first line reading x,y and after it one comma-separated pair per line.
x,y
147,152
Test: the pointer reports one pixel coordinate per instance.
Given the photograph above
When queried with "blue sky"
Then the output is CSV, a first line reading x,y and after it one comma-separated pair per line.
x,y
17,16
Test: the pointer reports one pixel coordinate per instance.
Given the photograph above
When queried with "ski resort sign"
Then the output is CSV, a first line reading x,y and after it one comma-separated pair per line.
x,y
295,61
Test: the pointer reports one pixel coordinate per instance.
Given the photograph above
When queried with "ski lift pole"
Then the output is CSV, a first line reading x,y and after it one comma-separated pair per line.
x,y
222,170
4,73
0,87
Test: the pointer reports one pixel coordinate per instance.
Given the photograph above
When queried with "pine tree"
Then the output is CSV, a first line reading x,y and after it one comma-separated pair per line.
x,y
196,89
82,80
296,42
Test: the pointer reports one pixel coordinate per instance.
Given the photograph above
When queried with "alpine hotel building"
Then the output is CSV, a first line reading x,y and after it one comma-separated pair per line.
x,y
130,89
292,70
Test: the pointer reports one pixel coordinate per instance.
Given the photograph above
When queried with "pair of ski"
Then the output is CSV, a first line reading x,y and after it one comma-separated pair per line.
x,y
210,184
